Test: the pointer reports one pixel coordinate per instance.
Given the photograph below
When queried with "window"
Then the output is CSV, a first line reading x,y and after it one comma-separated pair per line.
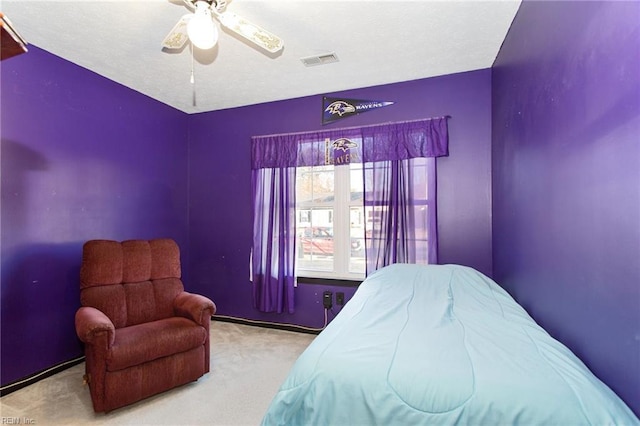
x,y
330,222
304,206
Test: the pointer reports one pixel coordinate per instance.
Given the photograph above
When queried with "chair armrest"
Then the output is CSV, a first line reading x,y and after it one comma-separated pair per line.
x,y
90,322
194,306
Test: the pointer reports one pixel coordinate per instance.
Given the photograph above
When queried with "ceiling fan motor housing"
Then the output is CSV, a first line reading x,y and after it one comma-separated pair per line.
x,y
218,5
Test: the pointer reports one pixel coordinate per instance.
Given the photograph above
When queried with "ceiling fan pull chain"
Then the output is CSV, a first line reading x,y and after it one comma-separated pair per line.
x,y
193,79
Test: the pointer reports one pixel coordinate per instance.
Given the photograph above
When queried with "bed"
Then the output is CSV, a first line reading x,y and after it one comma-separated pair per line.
x,y
439,344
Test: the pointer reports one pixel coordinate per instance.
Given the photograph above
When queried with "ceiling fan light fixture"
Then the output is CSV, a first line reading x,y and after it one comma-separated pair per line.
x,y
202,32
199,27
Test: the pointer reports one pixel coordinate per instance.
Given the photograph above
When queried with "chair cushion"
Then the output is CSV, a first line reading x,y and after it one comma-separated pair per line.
x,y
145,342
106,262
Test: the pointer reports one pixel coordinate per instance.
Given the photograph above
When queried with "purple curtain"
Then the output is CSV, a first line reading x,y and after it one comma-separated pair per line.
x,y
400,191
399,168
392,141
273,254
400,205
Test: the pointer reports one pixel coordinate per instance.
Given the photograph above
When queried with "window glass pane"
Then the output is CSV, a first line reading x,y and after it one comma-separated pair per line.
x,y
419,181
329,201
315,215
356,221
314,184
421,231
315,241
357,251
355,183
375,215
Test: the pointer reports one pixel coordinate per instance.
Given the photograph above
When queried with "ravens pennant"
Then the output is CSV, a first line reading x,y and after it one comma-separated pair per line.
x,y
334,109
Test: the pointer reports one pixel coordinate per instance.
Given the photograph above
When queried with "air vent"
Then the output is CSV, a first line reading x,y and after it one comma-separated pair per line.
x,y
326,58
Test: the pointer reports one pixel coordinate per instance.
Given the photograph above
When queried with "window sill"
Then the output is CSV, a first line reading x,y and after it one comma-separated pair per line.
x,y
328,281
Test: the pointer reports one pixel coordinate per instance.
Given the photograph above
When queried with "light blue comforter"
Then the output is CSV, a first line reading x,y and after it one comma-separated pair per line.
x,y
440,344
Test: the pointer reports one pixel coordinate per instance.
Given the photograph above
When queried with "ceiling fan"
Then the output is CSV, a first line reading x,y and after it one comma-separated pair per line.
x,y
200,28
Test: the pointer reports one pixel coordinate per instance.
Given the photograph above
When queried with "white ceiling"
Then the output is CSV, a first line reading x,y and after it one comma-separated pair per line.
x,y
376,42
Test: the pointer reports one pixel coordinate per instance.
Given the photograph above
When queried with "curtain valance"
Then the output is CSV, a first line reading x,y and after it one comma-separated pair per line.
x,y
381,142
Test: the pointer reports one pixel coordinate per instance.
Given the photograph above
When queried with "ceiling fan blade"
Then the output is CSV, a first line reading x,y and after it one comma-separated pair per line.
x,y
268,41
177,37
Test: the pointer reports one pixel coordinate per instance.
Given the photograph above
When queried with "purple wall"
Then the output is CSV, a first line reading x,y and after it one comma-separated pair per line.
x,y
82,158
220,188
566,179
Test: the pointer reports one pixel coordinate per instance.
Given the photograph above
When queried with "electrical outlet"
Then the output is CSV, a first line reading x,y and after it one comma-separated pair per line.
x,y
327,299
339,298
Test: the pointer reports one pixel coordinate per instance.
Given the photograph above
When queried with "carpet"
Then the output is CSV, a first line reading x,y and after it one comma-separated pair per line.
x,y
248,364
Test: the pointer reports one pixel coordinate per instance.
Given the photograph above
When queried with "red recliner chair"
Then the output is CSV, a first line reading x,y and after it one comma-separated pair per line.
x,y
143,333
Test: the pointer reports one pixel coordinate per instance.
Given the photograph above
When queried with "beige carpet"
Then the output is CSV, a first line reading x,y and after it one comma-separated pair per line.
x,y
248,364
